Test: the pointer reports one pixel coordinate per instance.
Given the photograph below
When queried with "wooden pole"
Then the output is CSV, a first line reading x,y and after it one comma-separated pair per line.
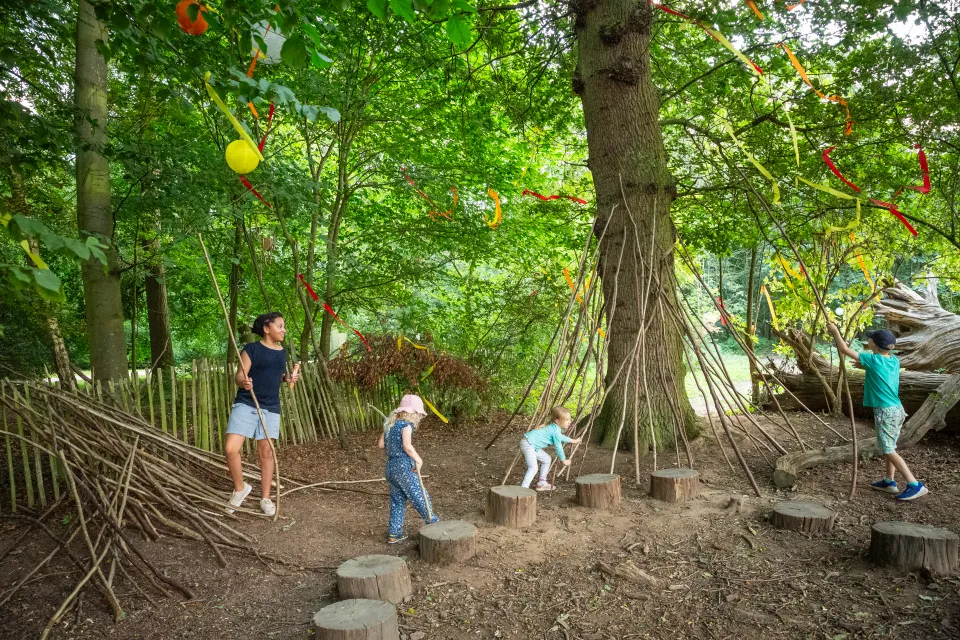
x,y
233,343
6,438
173,402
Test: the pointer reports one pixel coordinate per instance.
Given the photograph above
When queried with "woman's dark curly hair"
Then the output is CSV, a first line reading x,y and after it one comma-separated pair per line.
x,y
263,320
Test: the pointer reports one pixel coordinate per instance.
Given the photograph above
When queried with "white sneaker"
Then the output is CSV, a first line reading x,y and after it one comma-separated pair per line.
x,y
236,500
268,508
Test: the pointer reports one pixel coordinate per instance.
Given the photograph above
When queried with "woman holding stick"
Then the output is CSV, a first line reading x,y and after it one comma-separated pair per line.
x,y
262,369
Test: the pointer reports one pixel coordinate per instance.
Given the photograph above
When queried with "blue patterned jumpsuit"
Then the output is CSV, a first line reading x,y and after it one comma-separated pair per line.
x,y
402,478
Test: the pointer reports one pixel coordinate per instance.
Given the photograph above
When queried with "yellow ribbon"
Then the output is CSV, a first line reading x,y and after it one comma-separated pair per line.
x,y
722,39
788,269
603,334
773,314
434,409
415,345
863,267
498,214
763,171
236,124
793,134
838,194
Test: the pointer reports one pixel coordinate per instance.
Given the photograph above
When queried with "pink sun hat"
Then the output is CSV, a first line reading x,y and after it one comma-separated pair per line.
x,y
411,404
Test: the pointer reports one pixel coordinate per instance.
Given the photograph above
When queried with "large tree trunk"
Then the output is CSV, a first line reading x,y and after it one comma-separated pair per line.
x,y
101,288
158,311
634,191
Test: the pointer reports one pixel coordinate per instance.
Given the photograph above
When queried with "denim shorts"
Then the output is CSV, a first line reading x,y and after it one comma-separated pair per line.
x,y
888,421
245,422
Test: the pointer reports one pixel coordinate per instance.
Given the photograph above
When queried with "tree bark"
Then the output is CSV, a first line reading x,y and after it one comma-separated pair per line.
x,y
158,311
101,288
634,191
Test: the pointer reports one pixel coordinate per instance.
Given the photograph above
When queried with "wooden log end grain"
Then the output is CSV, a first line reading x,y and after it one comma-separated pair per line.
x,y
598,490
448,542
359,618
908,547
807,517
674,485
511,506
375,577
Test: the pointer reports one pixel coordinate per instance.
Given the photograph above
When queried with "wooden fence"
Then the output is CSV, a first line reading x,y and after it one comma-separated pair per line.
x,y
193,405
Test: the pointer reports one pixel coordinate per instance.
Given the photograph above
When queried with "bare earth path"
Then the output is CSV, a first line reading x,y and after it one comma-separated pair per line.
x,y
720,574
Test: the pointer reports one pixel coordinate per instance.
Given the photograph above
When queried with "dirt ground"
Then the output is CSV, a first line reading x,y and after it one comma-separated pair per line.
x,y
720,574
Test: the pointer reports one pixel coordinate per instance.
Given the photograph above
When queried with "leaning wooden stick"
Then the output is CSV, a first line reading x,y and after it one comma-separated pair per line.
x,y
426,500
233,343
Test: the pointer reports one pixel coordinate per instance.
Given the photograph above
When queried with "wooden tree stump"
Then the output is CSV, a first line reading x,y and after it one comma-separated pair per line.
x,y
598,490
808,517
908,546
511,506
375,577
674,485
448,542
356,620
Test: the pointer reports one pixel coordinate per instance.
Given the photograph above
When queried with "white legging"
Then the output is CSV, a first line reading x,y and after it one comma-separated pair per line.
x,y
532,456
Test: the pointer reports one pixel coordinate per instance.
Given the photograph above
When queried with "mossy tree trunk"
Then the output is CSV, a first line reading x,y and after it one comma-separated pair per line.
x,y
101,287
634,191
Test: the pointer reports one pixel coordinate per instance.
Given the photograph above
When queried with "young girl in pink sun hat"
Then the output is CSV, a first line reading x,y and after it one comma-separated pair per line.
x,y
403,466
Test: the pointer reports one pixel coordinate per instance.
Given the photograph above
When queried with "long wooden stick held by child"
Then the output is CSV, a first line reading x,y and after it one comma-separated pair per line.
x,y
296,370
236,350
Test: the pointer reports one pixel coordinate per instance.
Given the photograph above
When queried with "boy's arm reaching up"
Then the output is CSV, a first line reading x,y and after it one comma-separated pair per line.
x,y
842,346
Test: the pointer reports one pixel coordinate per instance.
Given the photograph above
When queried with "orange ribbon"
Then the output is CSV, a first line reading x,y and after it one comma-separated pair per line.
x,y
806,78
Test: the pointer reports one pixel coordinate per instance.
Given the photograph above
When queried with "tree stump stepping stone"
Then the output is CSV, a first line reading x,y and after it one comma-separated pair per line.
x,y
598,490
375,577
908,547
674,485
448,542
357,619
807,517
511,506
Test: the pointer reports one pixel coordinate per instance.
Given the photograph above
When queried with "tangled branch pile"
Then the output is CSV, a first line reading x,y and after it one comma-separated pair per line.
x,y
126,481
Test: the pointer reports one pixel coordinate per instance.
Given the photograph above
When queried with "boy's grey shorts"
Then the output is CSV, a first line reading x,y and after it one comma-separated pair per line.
x,y
245,422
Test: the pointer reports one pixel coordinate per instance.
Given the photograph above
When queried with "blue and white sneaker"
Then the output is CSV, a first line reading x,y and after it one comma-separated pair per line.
x,y
890,486
913,491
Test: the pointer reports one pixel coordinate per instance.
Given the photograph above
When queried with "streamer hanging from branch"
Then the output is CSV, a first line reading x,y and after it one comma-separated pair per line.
x,y
836,172
527,192
803,74
400,340
763,171
773,313
753,7
434,209
233,121
925,169
250,188
329,310
892,208
497,214
863,267
719,37
434,409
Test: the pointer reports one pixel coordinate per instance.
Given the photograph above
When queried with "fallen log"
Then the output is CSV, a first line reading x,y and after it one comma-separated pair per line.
x,y
915,386
930,416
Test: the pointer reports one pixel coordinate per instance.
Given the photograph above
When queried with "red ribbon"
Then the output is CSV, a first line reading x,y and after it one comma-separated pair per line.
x,y
892,208
723,311
926,172
527,192
836,172
249,186
327,308
263,140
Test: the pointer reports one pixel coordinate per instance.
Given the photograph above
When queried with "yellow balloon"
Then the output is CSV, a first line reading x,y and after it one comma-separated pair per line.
x,y
241,157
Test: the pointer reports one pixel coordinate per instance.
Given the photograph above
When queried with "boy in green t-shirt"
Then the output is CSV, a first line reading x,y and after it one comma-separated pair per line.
x,y
881,385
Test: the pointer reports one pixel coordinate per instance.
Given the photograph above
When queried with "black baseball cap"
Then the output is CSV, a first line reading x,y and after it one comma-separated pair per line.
x,y
883,338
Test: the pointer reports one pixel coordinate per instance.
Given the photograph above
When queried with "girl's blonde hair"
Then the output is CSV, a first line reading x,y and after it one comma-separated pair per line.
x,y
558,413
413,418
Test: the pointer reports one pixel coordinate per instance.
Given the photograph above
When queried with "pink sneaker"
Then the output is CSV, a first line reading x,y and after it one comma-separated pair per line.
x,y
544,486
